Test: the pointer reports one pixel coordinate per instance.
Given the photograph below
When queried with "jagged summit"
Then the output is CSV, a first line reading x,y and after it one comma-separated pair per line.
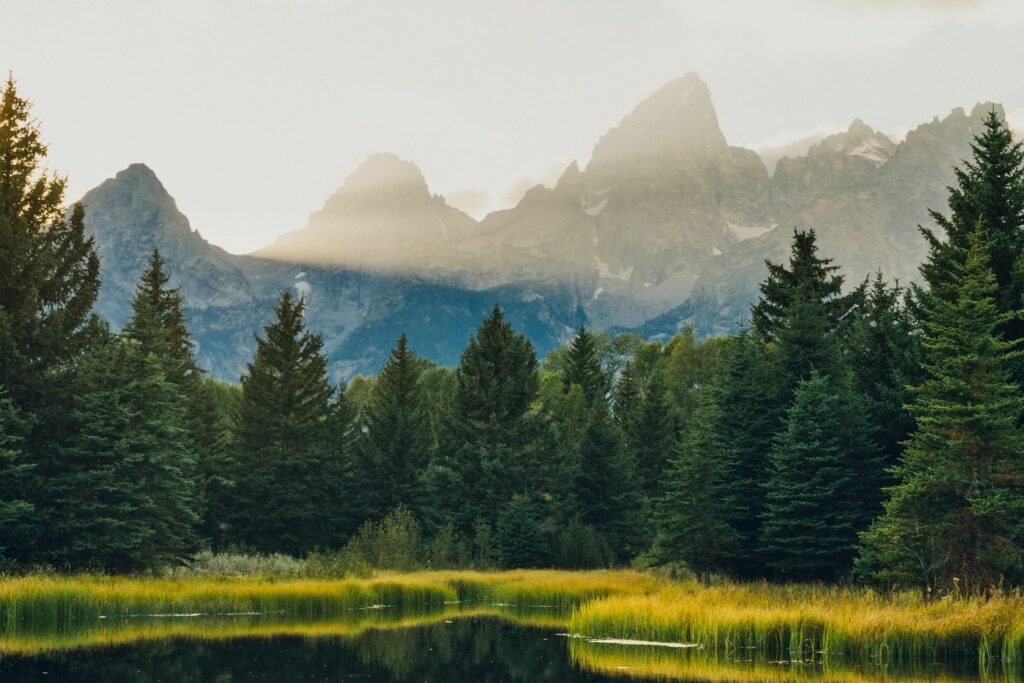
x,y
382,177
677,125
383,215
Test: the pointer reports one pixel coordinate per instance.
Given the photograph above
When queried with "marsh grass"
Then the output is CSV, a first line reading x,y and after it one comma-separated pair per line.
x,y
810,627
836,626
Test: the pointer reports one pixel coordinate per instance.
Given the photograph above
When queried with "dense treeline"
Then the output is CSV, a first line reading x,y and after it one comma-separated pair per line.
x,y
870,431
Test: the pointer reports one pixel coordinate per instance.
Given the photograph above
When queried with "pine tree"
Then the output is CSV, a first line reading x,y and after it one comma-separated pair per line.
x,y
809,279
282,453
884,353
49,270
694,512
748,413
49,281
651,436
14,510
812,515
520,536
396,440
158,324
954,512
583,367
606,490
489,444
210,425
120,494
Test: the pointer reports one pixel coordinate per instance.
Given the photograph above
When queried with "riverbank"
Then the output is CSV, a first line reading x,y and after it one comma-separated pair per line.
x,y
824,626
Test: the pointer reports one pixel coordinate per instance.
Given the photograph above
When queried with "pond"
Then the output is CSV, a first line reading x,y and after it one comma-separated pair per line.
x,y
457,644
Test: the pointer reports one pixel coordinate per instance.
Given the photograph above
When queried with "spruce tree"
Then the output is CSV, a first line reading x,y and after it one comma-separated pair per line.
x,y
520,536
954,514
396,440
651,436
120,492
282,453
49,281
607,493
49,270
884,352
489,443
158,324
808,279
748,412
583,367
812,515
14,510
699,500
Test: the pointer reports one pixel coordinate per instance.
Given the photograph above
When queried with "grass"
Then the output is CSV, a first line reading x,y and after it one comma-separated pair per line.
x,y
746,629
835,626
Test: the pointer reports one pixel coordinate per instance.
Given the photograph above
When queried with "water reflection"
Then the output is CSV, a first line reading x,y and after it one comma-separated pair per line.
x,y
451,644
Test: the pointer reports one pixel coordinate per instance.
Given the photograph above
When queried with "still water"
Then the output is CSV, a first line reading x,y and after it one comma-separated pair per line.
x,y
456,645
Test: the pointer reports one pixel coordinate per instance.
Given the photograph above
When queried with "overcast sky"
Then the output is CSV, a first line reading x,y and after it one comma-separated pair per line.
x,y
252,112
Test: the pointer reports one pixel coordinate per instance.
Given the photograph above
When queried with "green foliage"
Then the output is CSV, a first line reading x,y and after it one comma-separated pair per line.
x,y
583,367
121,489
395,542
14,512
286,500
489,449
520,536
813,511
578,546
394,446
954,513
607,494
698,502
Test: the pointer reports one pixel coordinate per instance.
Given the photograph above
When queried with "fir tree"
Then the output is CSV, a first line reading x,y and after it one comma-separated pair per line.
x,y
954,512
120,492
651,436
282,491
884,353
490,439
49,281
812,515
396,440
809,279
746,417
520,536
14,511
606,489
158,324
699,500
583,367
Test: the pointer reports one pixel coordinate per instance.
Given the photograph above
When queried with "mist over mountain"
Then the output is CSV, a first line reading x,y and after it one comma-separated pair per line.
x,y
666,225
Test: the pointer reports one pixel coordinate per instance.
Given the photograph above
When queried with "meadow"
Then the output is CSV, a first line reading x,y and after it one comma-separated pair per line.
x,y
745,629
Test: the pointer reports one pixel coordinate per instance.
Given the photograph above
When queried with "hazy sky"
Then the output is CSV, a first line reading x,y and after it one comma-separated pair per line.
x,y
252,112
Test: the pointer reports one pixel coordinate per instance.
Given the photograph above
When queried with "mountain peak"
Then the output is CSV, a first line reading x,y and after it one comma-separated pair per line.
x,y
676,126
383,177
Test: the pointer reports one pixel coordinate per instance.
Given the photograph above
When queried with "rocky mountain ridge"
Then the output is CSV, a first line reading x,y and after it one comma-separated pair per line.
x,y
665,225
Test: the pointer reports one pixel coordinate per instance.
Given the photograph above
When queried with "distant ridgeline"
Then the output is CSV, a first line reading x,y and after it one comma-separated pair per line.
x,y
853,429
666,226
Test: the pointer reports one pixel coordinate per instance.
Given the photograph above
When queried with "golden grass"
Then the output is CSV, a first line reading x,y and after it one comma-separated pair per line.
x,y
838,630
836,625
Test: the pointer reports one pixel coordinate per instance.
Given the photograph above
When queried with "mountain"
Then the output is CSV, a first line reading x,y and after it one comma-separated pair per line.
x,y
666,225
382,217
864,195
359,310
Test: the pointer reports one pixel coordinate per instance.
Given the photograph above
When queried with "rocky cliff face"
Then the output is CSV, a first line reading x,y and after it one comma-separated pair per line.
x,y
666,225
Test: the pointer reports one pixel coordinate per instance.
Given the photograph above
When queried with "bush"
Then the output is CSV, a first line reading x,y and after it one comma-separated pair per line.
x,y
395,542
207,563
579,546
447,550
